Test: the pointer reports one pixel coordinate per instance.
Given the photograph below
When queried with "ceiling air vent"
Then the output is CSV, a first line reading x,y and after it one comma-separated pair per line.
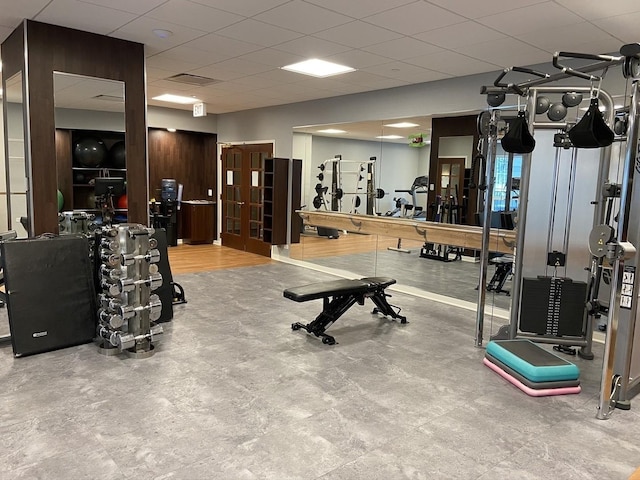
x,y
192,79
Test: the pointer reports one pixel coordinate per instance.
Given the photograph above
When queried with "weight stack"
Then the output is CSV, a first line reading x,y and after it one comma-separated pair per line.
x,y
553,306
127,275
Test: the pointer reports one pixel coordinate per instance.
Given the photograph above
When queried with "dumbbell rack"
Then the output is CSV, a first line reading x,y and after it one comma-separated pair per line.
x,y
127,273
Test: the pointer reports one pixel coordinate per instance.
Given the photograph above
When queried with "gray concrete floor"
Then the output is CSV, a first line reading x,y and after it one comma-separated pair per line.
x,y
233,393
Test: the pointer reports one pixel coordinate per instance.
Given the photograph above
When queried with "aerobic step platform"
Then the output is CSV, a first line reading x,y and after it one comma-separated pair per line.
x,y
529,383
531,361
543,392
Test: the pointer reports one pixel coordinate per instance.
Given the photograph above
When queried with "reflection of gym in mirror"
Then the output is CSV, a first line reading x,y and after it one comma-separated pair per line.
x,y
91,161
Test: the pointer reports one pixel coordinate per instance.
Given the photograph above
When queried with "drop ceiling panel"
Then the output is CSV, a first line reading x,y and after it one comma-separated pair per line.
x,y
529,19
415,18
598,10
356,10
357,59
624,27
84,16
194,15
406,72
223,45
246,8
242,66
141,30
138,6
260,33
194,56
358,34
302,17
280,76
177,88
371,80
402,48
14,12
312,47
571,38
171,64
484,8
460,34
215,71
452,63
506,53
272,57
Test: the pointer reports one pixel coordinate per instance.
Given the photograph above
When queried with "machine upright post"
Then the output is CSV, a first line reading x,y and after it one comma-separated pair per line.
x,y
622,314
486,223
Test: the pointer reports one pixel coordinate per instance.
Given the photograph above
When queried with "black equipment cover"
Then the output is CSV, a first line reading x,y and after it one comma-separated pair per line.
x,y
591,131
518,139
51,299
165,291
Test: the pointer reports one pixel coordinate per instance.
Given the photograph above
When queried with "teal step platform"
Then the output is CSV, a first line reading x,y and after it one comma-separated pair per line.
x,y
531,361
525,381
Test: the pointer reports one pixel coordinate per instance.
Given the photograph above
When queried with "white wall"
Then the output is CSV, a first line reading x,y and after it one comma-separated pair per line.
x,y
457,147
397,165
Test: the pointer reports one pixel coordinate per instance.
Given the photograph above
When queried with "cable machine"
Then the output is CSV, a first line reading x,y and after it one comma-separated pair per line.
x,y
612,246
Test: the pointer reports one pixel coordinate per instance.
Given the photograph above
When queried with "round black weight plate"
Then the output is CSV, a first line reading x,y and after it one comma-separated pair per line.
x,y
571,99
339,193
321,167
495,99
542,105
318,188
557,112
619,126
357,201
321,176
482,123
317,202
379,193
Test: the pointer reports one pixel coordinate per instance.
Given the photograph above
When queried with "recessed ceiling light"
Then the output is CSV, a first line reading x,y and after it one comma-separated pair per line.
x,y
618,107
402,125
172,130
390,137
162,33
318,68
167,97
332,130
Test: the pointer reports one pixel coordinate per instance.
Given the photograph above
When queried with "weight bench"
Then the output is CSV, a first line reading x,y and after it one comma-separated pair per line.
x,y
338,296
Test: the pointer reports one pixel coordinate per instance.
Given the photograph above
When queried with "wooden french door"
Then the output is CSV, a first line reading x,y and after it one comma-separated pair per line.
x,y
449,188
243,196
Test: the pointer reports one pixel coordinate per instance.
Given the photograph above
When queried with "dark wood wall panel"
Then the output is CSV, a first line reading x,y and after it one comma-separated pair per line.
x,y
186,156
452,127
64,163
52,48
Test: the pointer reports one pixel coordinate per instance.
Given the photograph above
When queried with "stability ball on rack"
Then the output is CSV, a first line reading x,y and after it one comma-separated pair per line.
x,y
89,151
117,155
60,201
122,202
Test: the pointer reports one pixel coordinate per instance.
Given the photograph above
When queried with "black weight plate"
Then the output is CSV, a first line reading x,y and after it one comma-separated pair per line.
x,y
542,105
483,121
557,112
571,99
317,202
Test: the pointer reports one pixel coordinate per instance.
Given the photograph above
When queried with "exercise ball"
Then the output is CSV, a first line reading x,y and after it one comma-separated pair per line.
x,y
557,112
542,105
571,99
89,152
60,201
122,202
79,177
117,156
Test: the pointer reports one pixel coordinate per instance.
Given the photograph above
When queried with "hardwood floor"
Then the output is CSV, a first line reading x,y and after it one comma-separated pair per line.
x,y
199,258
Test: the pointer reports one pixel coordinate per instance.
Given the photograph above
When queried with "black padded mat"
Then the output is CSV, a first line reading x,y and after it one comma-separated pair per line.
x,y
529,383
324,289
382,281
51,300
531,353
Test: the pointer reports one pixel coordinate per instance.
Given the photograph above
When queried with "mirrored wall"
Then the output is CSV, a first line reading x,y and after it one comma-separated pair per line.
x,y
401,187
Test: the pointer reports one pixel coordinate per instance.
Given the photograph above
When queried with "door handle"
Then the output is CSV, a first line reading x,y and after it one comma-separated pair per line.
x,y
240,203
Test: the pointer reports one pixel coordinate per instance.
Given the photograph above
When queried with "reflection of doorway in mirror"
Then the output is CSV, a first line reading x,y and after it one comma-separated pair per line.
x,y
449,188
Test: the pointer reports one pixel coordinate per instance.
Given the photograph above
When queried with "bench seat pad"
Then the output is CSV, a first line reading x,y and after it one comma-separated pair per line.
x,y
344,287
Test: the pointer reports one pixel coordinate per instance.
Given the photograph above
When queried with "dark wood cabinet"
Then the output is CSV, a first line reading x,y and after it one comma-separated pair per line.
x,y
276,199
198,221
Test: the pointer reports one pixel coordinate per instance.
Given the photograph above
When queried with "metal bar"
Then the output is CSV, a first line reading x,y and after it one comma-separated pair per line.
x,y
522,222
552,340
486,224
615,313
